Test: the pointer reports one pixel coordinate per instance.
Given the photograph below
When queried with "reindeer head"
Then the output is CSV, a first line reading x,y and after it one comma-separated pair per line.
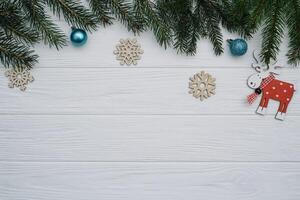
x,y
263,71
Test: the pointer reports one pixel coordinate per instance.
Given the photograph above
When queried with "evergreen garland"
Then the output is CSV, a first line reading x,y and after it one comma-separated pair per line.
x,y
175,23
274,16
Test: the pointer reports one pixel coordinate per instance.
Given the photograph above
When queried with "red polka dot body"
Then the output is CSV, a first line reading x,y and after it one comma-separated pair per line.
x,y
279,91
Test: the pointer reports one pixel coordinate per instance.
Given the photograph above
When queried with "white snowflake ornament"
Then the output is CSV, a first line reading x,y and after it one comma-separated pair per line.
x,y
128,51
202,85
19,78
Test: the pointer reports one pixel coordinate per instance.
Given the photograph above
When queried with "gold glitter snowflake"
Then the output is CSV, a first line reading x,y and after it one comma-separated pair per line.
x,y
128,51
19,77
202,85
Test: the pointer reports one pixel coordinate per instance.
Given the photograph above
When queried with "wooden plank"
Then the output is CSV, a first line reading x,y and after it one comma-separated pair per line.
x,y
133,91
98,52
148,138
149,181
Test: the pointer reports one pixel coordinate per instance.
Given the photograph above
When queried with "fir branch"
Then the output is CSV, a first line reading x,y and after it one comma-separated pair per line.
x,y
235,16
258,9
183,25
14,24
198,29
14,53
50,33
272,32
293,23
215,35
199,20
74,13
182,35
212,25
100,8
124,12
194,35
161,30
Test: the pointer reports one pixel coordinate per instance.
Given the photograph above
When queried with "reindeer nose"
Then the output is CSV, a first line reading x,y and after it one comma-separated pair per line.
x,y
258,91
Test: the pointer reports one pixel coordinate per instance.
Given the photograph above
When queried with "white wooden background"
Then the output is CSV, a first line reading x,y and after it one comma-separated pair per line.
x,y
90,129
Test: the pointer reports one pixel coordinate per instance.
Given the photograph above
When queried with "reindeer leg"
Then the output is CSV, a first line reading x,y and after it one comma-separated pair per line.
x,y
281,111
262,108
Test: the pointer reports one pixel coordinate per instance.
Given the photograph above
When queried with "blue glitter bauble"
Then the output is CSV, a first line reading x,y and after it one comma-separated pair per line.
x,y
238,47
78,37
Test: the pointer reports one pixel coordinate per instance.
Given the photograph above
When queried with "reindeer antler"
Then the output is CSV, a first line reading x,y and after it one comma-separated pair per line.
x,y
256,65
269,67
253,54
274,67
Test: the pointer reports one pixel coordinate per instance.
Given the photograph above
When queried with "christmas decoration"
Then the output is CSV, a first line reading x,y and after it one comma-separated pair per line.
x,y
238,47
178,23
78,36
202,85
265,83
128,51
19,77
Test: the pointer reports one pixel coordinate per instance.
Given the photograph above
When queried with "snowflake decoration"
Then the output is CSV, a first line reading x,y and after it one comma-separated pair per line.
x,y
19,77
202,85
128,51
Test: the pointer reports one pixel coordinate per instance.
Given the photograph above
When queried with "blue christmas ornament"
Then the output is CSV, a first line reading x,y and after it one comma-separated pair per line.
x,y
238,47
78,37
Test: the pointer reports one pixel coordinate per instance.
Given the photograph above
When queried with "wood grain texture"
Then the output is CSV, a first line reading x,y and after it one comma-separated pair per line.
x,y
168,181
90,129
134,91
149,138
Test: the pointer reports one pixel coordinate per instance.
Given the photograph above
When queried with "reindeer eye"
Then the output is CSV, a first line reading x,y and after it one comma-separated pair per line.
x,y
251,83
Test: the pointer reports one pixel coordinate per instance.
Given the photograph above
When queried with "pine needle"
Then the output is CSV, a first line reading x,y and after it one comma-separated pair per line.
x,y
15,54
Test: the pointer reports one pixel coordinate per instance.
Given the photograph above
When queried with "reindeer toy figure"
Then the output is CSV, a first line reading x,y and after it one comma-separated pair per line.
x,y
264,82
